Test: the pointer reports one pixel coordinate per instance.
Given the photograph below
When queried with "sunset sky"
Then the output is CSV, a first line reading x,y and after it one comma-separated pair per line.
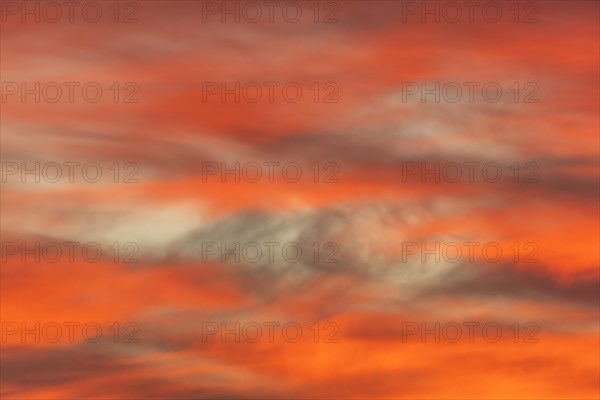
x,y
376,298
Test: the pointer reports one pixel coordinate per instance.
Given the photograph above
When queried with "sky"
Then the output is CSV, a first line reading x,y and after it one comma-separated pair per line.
x,y
300,200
